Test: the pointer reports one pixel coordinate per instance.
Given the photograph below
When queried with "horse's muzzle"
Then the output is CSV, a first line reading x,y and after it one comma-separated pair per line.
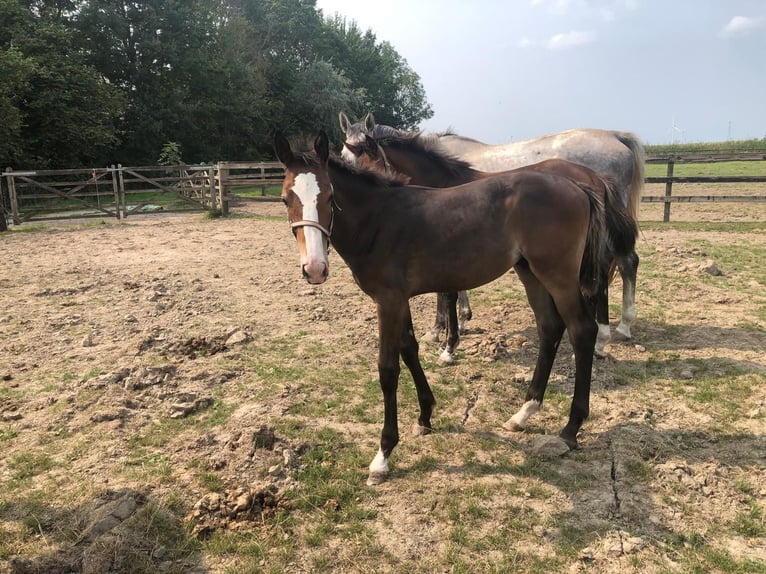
x,y
315,272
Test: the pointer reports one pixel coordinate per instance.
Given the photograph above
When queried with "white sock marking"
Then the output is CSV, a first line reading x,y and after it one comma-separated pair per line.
x,y
379,464
527,410
602,339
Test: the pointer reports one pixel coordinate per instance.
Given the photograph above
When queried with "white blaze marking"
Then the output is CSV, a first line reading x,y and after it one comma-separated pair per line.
x,y
306,187
528,409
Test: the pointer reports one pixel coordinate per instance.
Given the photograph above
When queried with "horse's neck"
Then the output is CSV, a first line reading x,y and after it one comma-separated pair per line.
x,y
428,168
353,202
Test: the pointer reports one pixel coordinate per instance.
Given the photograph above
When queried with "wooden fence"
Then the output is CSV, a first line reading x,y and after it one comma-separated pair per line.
x,y
119,192
670,179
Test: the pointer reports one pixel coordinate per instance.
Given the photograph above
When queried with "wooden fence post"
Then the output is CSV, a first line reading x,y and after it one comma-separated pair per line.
x,y
116,189
668,192
14,200
121,191
263,176
3,219
222,173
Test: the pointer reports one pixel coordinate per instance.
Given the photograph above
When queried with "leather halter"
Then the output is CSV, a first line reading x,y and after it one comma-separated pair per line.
x,y
315,224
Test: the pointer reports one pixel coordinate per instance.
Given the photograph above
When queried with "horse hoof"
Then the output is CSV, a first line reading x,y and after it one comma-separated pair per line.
x,y
376,478
431,337
420,430
513,426
622,332
570,442
446,357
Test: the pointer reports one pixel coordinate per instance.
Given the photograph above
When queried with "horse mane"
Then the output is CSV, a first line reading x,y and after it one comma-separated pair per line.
x,y
428,147
381,131
372,177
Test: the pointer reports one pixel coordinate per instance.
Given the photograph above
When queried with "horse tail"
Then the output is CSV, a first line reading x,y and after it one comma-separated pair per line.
x,y
593,255
636,148
612,233
620,223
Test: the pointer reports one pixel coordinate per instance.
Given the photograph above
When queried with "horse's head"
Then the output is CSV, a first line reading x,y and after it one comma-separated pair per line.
x,y
355,134
307,194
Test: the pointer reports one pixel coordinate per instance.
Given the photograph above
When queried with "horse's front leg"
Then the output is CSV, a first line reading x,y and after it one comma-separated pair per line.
x,y
391,322
628,267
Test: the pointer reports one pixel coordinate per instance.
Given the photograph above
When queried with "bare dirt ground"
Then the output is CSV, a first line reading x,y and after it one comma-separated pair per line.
x,y
110,331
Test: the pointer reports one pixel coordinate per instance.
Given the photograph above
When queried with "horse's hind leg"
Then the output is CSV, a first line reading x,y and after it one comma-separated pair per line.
x,y
582,333
440,323
602,319
550,329
426,400
465,312
453,331
628,267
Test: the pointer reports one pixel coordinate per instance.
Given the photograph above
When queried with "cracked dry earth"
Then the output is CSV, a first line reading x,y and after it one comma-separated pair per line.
x,y
106,330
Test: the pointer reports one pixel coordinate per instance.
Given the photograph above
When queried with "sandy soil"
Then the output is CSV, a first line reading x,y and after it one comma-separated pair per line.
x,y
106,328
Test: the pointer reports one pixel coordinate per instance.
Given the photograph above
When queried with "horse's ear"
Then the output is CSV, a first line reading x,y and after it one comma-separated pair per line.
x,y
343,118
371,146
282,148
369,122
322,146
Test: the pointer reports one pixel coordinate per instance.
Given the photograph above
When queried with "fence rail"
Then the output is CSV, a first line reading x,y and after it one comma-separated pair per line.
x,y
118,191
670,179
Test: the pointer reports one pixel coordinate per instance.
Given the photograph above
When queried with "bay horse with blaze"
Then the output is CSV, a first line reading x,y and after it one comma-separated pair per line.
x,y
401,241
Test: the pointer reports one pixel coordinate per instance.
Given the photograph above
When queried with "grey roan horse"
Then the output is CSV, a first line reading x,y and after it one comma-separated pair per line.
x,y
400,241
618,155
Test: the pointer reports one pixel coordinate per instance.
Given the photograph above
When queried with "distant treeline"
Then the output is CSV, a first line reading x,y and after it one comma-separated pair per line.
x,y
733,147
94,82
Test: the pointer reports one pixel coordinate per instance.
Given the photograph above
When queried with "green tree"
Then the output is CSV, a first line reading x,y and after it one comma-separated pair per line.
x,y
60,111
393,91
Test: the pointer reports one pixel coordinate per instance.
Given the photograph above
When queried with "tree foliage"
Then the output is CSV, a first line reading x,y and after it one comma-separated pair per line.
x,y
93,82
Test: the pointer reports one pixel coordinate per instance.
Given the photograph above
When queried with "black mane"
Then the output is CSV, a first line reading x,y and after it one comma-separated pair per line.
x,y
372,177
427,147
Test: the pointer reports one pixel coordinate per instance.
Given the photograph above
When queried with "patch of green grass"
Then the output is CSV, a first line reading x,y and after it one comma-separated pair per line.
x,y
703,226
727,397
721,147
210,481
8,434
697,555
159,523
750,523
147,466
164,430
29,464
259,191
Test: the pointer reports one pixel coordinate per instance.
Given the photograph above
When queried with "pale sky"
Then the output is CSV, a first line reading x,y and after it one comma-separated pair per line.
x,y
509,70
